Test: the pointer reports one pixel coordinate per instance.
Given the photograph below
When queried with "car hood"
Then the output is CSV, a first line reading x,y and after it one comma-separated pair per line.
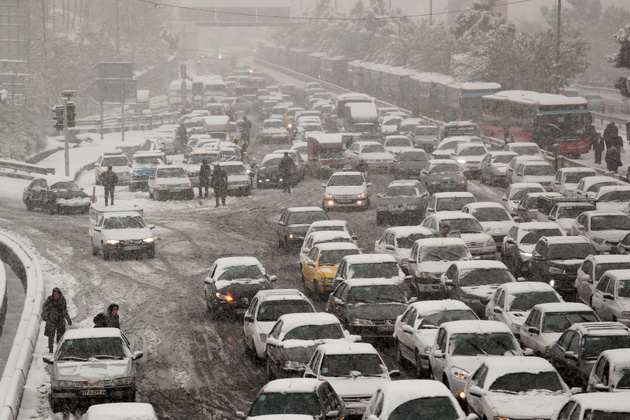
x,y
550,338
565,223
240,288
496,228
346,190
412,164
535,404
173,181
274,131
573,263
302,350
299,229
475,237
518,317
125,234
424,138
67,194
361,386
376,311
92,371
469,363
379,155
238,178
481,292
434,267
470,159
398,149
502,168
442,177
611,235
543,179
442,154
399,200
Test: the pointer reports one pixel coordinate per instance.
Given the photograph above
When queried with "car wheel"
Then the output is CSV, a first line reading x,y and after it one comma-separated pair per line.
x,y
106,253
270,375
399,357
28,204
94,249
421,373
132,188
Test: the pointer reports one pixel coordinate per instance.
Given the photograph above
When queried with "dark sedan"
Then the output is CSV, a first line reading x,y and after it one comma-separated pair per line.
x,y
368,307
402,201
443,176
56,195
268,174
409,164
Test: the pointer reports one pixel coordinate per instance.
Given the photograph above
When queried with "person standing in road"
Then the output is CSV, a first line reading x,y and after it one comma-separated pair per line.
x,y
55,314
613,159
204,177
286,168
109,319
598,148
109,179
182,137
245,132
219,184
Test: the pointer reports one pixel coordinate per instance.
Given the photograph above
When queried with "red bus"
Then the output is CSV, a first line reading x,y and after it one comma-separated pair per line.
x,y
548,120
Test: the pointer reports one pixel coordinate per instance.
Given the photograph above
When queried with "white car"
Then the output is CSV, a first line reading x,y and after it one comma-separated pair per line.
x,y
167,180
273,130
514,193
587,406
512,302
121,411
592,269
461,346
331,225
413,398
355,371
590,185
397,241
613,197
611,297
493,217
523,148
416,329
239,181
389,124
504,388
449,201
445,147
604,229
611,372
547,321
263,312
118,161
493,167
320,237
567,179
468,156
346,190
517,160
535,171
397,144
302,148
369,156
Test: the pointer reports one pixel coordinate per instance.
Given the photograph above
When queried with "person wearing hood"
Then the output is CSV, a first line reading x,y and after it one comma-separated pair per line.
x,y
109,319
55,314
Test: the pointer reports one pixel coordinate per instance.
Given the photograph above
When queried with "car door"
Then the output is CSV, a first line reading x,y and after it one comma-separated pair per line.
x,y
249,329
309,267
406,335
336,303
437,356
597,300
476,401
449,282
430,206
538,263
557,351
331,400
580,226
282,226
273,349
352,153
379,246
530,333
584,281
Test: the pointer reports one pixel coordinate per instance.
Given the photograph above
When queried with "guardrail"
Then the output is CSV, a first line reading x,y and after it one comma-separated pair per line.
x,y
26,266
14,165
131,122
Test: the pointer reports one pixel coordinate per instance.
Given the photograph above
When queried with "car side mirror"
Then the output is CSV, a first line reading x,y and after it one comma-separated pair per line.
x,y
310,375
475,391
151,226
551,217
369,184
379,195
271,341
98,229
408,329
281,223
272,278
48,360
601,388
533,330
497,310
137,355
394,373
411,261
504,199
576,390
608,296
248,318
323,185
240,415
570,355
510,241
438,354
389,247
528,352
448,282
332,414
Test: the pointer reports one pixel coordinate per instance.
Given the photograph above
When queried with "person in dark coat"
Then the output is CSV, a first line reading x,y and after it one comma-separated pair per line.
x,y
55,314
246,129
613,159
109,179
286,168
598,147
219,184
204,177
109,319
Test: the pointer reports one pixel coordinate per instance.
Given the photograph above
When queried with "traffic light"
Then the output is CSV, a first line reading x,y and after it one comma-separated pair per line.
x,y
58,117
71,114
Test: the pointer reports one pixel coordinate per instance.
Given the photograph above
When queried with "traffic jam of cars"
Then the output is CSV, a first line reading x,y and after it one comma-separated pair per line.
x,y
503,308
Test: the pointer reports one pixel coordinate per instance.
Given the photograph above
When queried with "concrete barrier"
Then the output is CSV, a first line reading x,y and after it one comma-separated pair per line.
x,y
3,297
26,267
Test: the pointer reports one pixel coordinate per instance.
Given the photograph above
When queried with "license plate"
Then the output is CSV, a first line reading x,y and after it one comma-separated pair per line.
x,y
132,247
241,311
92,392
385,329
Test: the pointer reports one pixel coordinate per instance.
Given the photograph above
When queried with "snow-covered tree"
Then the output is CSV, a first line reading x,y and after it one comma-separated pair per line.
x,y
622,59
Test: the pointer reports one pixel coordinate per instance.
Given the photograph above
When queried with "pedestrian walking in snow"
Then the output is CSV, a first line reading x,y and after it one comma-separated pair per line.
x,y
613,159
204,178
219,184
109,179
598,148
55,314
286,168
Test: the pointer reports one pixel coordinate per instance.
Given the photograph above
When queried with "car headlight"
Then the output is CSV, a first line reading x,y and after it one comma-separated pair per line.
x,y
360,321
459,374
552,282
292,364
362,195
113,242
597,240
148,240
329,195
490,242
555,270
516,327
223,297
127,380
263,337
63,384
461,161
525,254
463,181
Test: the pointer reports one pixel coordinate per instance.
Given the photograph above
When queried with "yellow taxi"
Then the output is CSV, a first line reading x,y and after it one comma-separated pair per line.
x,y
320,265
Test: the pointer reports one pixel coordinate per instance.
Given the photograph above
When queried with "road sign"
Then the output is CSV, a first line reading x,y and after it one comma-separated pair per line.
x,y
110,91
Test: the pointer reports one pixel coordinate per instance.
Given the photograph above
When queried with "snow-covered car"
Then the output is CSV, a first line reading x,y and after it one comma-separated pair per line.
x,y
613,198
443,176
428,260
319,266
592,269
416,329
493,167
512,302
397,241
564,214
461,346
506,388
346,190
296,398
425,137
263,312
590,185
118,230
121,411
458,128
445,147
468,156
369,156
475,282
591,405
355,371
293,224
320,237
294,338
268,174
611,372
56,194
523,148
389,124
274,130
239,182
514,193
611,296
417,398
119,163
232,284
535,171
167,181
142,167
517,160
448,201
302,148
92,364
300,164
409,164
567,179
195,159
518,245
370,266
396,144
493,217
465,226
547,321
604,229
332,225
402,202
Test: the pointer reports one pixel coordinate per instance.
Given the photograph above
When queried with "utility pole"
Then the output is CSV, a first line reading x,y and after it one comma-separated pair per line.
x,y
122,121
430,12
117,32
65,135
558,36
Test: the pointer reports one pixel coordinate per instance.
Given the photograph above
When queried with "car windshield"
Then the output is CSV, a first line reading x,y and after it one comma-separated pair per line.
x,y
306,217
426,408
473,151
271,163
346,180
271,310
234,169
525,382
601,268
444,168
438,318
595,187
348,365
523,302
398,142
576,177
502,159
408,241
373,148
444,253
114,161
539,170
623,289
413,156
374,270
170,173
382,293
462,225
392,121
491,214
526,150
453,203
484,276
449,145
621,414
64,185
124,222
240,272
555,322
488,344
610,222
94,347
532,236
332,257
147,160
279,403
315,332
570,212
401,191
197,159
426,131
615,196
570,251
519,194
594,345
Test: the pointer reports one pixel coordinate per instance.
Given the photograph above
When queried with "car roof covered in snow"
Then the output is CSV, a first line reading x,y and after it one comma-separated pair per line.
x,y
121,411
305,209
617,355
328,235
563,307
484,205
517,186
290,321
479,264
450,215
369,258
280,294
399,392
499,366
371,282
332,222
593,213
453,194
291,385
225,262
526,286
440,242
607,402
78,333
609,258
348,347
560,240
475,326
620,274
405,231
346,173
231,163
428,307
527,226
329,246
576,170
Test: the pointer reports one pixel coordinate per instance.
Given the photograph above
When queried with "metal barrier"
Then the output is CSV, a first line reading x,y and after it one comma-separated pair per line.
x,y
8,164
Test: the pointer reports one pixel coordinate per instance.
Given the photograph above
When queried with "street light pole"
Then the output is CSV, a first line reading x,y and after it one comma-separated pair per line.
x,y
117,31
65,135
430,12
558,35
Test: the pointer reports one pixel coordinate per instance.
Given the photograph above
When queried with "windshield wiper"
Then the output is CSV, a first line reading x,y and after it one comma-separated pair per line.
x,y
476,346
78,359
431,254
503,345
107,356
454,253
